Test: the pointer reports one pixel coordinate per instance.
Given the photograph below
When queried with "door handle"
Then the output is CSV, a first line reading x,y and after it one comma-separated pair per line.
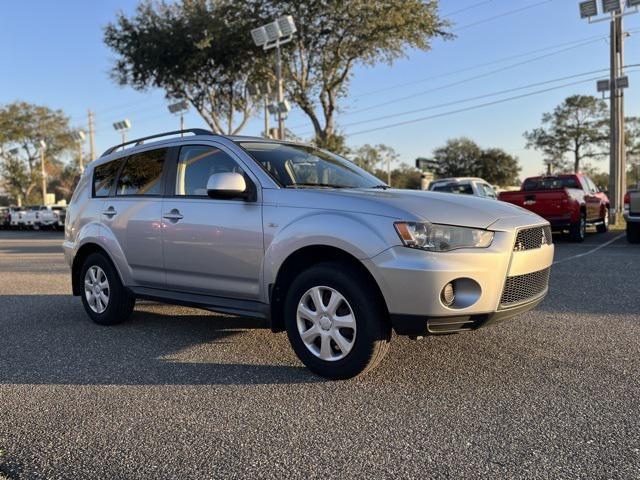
x,y
174,215
109,212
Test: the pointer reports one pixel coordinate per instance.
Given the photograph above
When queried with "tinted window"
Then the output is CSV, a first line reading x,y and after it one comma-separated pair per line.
x,y
196,164
463,188
304,166
104,177
550,183
142,173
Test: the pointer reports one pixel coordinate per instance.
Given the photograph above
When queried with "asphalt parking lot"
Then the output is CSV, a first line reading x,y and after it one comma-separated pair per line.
x,y
183,393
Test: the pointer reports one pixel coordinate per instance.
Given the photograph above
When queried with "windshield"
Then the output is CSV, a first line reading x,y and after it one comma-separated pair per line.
x,y
550,183
303,166
463,188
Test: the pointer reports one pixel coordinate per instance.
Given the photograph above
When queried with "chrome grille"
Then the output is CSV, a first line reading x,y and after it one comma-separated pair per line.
x,y
521,288
532,238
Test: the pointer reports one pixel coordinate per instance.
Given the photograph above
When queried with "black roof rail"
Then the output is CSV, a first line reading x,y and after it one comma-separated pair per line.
x,y
140,141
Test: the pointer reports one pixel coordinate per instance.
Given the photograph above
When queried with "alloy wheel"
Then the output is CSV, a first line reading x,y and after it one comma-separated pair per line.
x,y
326,323
96,289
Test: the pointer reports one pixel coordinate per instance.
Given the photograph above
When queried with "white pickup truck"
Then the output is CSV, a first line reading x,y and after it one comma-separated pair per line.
x,y
45,216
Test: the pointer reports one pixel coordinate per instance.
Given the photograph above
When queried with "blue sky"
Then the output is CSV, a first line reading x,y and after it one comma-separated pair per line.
x,y
52,53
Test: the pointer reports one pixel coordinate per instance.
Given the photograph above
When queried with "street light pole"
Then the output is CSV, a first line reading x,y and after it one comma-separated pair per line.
x,y
616,84
43,172
280,89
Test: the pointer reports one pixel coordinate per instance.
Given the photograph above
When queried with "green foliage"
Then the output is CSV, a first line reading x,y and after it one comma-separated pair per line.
x,y
462,157
334,36
22,126
194,49
578,126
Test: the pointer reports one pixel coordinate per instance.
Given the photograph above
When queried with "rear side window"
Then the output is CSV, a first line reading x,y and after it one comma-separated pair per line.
x,y
104,176
142,174
196,164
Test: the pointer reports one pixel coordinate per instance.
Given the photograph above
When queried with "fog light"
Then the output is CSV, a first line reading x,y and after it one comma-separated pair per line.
x,y
448,294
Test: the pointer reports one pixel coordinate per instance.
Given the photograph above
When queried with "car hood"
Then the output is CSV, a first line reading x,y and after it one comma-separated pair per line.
x,y
410,205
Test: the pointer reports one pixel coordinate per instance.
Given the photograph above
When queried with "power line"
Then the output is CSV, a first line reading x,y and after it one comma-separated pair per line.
x,y
480,65
475,107
500,15
478,97
470,7
469,79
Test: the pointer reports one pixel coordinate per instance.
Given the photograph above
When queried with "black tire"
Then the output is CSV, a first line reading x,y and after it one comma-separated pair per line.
x,y
373,331
633,232
120,301
578,230
603,226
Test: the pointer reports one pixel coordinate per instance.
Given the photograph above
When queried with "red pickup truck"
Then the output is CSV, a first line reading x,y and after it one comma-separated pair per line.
x,y
568,202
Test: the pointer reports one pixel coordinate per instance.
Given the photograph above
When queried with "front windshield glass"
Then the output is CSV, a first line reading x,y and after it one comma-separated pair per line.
x,y
303,166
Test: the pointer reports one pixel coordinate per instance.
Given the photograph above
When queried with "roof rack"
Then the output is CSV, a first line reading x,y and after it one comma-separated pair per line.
x,y
140,141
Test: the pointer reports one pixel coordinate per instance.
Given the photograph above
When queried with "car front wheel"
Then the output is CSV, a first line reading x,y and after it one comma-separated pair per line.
x,y
336,326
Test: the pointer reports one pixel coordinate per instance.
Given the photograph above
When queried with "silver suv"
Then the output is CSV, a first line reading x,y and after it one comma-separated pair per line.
x,y
300,237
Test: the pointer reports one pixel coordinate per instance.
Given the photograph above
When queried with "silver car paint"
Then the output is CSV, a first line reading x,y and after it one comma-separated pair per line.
x,y
223,247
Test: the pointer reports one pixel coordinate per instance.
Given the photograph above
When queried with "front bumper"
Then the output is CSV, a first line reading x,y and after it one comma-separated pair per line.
x,y
412,280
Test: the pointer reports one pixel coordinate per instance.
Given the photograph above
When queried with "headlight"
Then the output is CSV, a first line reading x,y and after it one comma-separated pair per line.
x,y
441,238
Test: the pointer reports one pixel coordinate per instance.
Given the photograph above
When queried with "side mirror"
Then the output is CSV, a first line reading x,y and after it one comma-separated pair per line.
x,y
226,185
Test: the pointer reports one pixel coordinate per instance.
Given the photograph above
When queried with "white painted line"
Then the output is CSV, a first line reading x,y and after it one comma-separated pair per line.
x,y
593,250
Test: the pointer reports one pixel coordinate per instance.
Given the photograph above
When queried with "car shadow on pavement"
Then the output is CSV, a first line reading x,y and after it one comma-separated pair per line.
x,y
48,339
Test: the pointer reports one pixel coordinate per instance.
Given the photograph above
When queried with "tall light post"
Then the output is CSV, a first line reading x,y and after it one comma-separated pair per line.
x,y
179,108
43,146
617,82
122,127
269,36
78,137
262,91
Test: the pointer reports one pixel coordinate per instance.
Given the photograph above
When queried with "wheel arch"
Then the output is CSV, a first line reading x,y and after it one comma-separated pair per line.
x,y
78,261
302,259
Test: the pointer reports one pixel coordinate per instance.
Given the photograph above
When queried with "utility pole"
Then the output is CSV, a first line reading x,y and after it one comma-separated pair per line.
x,y
92,145
43,172
616,84
613,123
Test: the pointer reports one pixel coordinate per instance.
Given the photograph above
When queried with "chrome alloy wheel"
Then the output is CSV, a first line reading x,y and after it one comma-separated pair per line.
x,y
96,289
326,323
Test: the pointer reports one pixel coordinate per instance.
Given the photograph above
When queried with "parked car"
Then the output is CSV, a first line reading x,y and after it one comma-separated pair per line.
x,y
5,217
49,216
632,215
300,237
30,218
569,202
16,214
465,186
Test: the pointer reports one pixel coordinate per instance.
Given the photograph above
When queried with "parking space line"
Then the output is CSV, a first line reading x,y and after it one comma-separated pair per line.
x,y
593,250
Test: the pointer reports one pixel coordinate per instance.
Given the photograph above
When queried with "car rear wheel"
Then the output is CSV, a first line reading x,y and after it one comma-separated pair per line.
x,y
104,298
578,230
603,226
336,327
633,232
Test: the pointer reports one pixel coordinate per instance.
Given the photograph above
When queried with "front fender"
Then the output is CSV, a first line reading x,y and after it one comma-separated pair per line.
x,y
361,235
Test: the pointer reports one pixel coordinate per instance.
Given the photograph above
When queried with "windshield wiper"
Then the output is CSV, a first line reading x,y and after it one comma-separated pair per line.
x,y
382,186
325,185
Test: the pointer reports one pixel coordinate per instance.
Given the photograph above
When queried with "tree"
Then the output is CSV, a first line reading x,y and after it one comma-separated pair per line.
x,y
498,167
22,126
462,157
632,141
335,36
577,126
198,50
458,158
